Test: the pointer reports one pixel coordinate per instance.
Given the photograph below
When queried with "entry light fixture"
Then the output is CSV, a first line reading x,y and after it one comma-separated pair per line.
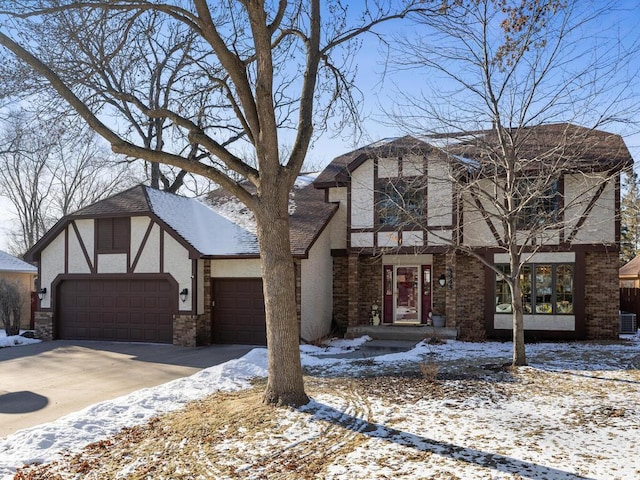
x,y
41,293
183,294
442,280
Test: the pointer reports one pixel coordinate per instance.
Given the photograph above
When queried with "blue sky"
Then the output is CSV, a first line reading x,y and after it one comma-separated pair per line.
x,y
378,93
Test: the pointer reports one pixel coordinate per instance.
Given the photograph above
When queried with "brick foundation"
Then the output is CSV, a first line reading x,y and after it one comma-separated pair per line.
x,y
43,326
185,330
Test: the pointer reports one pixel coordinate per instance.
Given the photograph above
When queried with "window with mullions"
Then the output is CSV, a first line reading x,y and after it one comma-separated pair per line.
x,y
399,202
547,289
536,208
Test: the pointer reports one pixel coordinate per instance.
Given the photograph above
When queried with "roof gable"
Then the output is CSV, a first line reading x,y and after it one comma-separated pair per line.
x,y
594,148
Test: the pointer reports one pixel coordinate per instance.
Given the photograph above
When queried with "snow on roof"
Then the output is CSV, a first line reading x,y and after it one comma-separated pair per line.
x,y
9,263
207,231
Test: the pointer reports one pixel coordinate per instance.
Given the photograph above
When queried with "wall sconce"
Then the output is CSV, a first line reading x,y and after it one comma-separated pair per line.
x,y
450,277
442,280
183,294
41,293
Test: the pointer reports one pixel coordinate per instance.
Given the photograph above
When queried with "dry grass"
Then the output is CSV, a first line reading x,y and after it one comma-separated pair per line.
x,y
233,435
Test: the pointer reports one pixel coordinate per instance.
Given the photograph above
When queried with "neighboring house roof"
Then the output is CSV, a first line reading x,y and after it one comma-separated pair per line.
x,y
309,213
224,228
631,269
594,148
9,263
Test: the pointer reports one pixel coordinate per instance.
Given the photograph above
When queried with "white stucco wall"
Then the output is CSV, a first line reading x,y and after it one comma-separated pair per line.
x,y
361,239
387,167
51,264
338,226
87,230
599,226
316,296
236,268
149,261
439,194
362,196
112,263
412,166
178,264
538,322
77,262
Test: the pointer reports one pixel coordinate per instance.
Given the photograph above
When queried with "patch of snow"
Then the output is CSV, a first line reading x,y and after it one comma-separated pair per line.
x,y
70,433
207,231
15,340
480,433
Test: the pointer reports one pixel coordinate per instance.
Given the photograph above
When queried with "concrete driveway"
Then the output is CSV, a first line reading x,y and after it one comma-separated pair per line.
x,y
42,382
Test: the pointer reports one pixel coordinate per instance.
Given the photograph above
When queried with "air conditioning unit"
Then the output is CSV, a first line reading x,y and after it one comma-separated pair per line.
x,y
628,323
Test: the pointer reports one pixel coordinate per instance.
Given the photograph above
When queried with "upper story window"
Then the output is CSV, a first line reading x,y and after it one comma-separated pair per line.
x,y
537,208
113,234
399,201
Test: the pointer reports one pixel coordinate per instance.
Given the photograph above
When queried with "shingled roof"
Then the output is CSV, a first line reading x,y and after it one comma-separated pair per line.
x,y
309,213
9,263
219,226
589,148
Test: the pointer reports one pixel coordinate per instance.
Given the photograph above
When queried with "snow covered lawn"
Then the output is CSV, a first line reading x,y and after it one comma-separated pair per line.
x,y
447,411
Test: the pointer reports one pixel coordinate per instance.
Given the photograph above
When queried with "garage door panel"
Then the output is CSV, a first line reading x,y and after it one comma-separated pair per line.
x,y
122,310
238,315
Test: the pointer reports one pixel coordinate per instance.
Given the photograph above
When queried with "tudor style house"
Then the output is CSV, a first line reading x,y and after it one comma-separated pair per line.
x,y
404,209
150,266
382,235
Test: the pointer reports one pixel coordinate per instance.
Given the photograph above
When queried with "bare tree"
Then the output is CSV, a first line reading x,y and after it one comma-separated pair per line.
x,y
499,74
11,300
258,72
630,219
49,169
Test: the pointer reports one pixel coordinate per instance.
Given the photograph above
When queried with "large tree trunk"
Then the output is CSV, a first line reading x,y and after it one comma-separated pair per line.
x,y
519,354
284,384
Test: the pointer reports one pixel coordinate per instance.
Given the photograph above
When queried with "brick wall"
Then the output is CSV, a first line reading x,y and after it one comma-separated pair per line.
x,y
469,290
370,287
353,287
341,293
602,297
203,324
43,326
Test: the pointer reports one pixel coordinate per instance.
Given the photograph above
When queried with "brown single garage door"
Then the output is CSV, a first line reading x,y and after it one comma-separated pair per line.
x,y
238,311
130,310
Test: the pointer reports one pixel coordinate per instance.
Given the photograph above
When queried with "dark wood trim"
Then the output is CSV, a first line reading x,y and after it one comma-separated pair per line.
x,y
489,298
375,217
339,252
161,250
579,287
349,228
66,250
561,230
92,267
143,244
587,211
617,211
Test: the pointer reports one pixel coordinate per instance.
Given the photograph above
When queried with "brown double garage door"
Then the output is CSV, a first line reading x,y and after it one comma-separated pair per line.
x,y
130,310
135,310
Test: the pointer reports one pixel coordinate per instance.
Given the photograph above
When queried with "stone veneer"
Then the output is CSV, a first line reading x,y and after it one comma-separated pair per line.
x,y
43,325
602,296
184,330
